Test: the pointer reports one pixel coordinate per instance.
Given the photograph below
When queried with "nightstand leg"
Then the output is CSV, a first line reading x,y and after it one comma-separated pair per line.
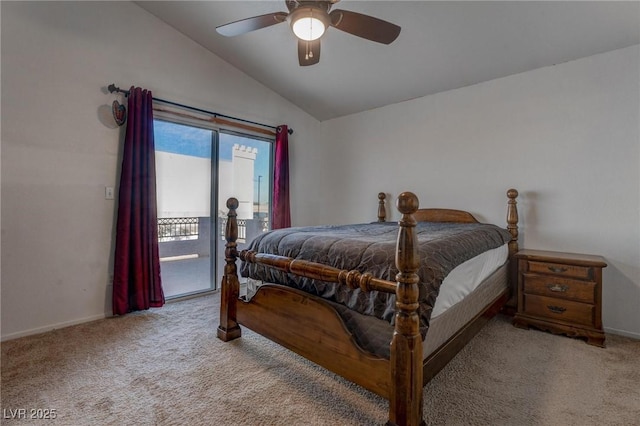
x,y
596,341
520,324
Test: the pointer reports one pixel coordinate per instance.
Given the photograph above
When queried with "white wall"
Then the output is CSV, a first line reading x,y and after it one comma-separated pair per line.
x,y
183,185
57,157
242,162
567,137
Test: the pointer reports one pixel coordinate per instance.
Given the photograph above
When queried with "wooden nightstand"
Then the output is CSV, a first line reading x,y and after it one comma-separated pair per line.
x,y
561,293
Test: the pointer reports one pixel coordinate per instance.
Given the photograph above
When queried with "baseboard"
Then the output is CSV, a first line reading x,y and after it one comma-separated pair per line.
x,y
622,333
57,326
50,327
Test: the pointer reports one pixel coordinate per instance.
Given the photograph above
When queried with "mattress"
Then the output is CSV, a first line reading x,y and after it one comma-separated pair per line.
x,y
464,278
460,282
372,248
445,325
467,289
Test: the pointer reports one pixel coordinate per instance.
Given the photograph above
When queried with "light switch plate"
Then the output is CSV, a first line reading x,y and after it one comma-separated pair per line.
x,y
108,192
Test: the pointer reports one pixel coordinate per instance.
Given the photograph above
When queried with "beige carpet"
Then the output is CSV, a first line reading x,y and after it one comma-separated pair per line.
x,y
166,367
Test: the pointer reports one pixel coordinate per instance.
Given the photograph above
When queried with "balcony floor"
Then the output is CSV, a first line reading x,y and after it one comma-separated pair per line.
x,y
180,277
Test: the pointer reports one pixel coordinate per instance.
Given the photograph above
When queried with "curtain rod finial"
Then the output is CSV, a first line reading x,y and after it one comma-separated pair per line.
x,y
289,130
112,88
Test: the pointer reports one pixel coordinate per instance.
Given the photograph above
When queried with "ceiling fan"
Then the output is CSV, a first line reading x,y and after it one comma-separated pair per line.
x,y
310,19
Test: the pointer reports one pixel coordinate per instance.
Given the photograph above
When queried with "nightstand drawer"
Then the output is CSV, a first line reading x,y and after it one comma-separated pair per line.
x,y
559,269
562,288
558,309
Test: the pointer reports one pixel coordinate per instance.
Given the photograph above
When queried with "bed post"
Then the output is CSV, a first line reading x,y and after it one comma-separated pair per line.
x,y
229,328
405,399
382,212
512,221
512,226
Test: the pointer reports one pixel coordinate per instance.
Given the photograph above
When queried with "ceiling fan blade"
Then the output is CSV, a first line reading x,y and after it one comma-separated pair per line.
x,y
251,24
364,26
308,52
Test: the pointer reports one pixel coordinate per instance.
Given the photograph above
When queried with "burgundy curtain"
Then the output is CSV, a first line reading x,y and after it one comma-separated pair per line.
x,y
281,209
136,275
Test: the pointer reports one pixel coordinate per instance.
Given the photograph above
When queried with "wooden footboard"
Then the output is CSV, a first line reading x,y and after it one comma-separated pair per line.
x,y
309,326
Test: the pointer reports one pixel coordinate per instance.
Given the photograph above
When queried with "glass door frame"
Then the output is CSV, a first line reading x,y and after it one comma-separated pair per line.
x,y
215,233
180,121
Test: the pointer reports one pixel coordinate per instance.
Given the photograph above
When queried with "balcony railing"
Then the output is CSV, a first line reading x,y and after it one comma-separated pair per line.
x,y
181,236
178,228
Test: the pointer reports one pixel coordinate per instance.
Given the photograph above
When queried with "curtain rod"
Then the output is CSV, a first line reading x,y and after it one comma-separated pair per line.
x,y
112,88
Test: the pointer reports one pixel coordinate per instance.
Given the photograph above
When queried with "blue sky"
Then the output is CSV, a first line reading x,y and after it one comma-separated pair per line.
x,y
194,141
179,139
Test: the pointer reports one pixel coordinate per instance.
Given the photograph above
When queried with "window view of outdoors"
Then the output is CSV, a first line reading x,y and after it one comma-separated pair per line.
x,y
183,185
188,176
244,171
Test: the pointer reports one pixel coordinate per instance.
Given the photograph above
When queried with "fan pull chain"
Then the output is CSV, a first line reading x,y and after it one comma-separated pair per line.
x,y
308,53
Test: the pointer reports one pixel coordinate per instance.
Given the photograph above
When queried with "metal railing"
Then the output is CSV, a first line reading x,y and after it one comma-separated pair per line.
x,y
190,228
178,228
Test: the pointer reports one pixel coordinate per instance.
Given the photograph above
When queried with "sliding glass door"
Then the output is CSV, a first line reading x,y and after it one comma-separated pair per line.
x,y
183,185
197,169
244,172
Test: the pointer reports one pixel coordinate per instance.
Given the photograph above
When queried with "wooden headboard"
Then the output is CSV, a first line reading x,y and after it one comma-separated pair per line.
x,y
444,215
461,216
429,215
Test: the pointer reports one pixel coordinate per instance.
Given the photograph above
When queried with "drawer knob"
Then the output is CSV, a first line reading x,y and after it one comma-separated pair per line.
x,y
558,288
558,269
556,309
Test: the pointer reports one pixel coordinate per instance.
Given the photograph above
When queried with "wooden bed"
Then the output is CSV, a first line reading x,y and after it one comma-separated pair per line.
x,y
290,316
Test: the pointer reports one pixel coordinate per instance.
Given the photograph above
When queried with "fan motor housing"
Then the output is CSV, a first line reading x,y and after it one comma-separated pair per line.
x,y
323,5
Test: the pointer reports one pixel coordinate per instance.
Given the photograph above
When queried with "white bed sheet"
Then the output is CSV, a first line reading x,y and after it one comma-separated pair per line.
x,y
464,278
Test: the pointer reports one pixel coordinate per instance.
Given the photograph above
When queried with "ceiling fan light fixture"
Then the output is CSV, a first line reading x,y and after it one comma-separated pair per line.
x,y
309,20
309,23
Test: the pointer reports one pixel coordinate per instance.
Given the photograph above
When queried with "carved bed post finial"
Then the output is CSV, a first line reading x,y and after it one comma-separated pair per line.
x,y
229,328
405,401
382,212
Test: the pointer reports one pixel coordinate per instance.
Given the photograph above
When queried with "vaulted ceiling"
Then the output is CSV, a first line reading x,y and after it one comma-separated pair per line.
x,y
442,46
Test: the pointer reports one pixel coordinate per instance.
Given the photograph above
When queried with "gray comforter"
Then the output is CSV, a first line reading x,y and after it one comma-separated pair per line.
x,y
371,248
